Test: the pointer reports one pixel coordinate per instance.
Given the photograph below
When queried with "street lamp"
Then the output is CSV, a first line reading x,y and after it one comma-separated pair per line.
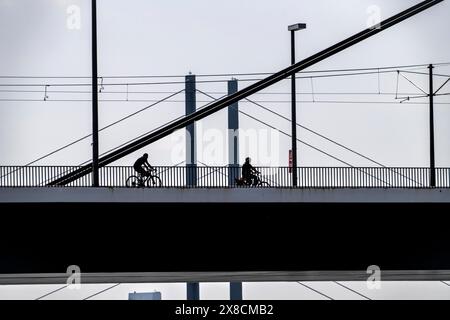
x,y
95,178
293,28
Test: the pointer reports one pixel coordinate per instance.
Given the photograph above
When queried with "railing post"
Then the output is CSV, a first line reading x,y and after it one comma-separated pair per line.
x,y
432,158
233,136
191,147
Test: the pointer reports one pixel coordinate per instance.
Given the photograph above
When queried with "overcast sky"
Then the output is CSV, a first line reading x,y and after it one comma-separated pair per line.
x,y
40,38
175,37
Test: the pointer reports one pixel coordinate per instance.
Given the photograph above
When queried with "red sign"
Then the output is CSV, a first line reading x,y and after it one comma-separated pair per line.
x,y
290,161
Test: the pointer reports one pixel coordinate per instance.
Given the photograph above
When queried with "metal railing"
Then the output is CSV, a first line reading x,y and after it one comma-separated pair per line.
x,y
224,177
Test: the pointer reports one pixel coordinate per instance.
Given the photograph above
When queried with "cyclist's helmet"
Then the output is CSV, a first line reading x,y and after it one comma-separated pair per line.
x,y
145,155
248,160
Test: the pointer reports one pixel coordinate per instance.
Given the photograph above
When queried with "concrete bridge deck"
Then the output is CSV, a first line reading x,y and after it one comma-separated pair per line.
x,y
223,195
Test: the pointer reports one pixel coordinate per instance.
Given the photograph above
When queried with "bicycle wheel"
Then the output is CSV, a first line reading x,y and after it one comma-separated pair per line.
x,y
264,185
133,182
154,182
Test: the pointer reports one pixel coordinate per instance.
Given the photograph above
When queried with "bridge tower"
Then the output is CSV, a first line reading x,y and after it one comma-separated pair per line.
x,y
233,135
193,288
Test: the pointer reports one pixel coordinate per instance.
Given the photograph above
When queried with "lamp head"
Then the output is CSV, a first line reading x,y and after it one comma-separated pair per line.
x,y
297,27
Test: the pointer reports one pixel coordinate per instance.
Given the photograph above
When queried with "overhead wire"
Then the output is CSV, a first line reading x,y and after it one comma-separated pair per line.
x,y
415,66
210,92
181,82
406,101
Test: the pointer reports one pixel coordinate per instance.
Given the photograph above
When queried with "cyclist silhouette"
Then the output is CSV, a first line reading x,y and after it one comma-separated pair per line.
x,y
249,173
142,166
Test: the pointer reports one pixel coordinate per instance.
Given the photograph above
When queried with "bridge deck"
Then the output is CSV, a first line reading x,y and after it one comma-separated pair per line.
x,y
222,195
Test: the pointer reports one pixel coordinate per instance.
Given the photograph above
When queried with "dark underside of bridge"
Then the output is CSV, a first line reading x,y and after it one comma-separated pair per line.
x,y
149,237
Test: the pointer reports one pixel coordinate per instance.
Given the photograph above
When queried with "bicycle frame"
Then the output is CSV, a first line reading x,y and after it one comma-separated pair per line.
x,y
143,179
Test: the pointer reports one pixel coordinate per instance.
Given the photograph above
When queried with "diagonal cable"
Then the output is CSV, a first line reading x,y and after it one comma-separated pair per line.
x,y
335,142
315,148
102,291
316,291
350,289
324,137
144,134
306,128
442,86
403,76
50,293
87,136
312,147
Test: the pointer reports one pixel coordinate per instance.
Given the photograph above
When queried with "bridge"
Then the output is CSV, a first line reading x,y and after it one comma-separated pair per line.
x,y
188,184
56,188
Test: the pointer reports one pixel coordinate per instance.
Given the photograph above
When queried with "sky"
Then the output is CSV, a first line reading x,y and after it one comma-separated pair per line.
x,y
52,38
43,38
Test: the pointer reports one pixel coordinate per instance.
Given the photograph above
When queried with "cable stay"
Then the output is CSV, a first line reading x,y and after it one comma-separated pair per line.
x,y
324,137
248,91
89,135
440,88
314,148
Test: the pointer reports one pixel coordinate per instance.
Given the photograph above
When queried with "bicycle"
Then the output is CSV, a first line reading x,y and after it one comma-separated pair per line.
x,y
152,180
242,182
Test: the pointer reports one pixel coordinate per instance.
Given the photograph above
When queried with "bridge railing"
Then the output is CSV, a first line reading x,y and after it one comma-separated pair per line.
x,y
222,177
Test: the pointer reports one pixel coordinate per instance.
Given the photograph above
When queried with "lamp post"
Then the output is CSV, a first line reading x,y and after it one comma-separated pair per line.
x,y
293,28
95,178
